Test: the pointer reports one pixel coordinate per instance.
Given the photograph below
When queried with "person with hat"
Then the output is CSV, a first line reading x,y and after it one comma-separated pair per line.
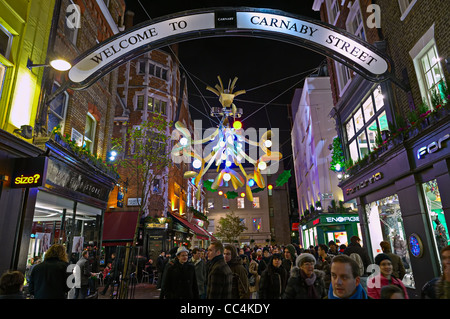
x,y
273,279
180,281
384,278
265,260
305,282
397,263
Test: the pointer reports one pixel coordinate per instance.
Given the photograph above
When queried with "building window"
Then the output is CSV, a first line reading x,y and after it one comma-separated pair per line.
x,y
141,67
89,132
257,224
156,187
361,128
256,202
210,203
355,24
157,71
6,39
57,109
225,203
333,10
432,74
241,203
2,78
405,7
156,106
344,75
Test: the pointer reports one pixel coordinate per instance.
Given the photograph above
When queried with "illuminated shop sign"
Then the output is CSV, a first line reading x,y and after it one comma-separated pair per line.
x,y
374,178
432,147
342,219
336,43
29,172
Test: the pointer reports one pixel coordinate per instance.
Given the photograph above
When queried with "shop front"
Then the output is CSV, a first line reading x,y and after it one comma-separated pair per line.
x,y
403,198
326,227
68,209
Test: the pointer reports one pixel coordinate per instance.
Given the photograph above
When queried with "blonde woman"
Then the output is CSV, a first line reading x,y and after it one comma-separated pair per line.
x,y
48,280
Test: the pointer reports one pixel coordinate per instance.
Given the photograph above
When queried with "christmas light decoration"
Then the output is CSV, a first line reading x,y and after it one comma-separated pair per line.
x,y
227,148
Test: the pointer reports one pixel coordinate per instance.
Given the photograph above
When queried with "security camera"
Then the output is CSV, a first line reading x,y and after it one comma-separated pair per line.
x,y
25,131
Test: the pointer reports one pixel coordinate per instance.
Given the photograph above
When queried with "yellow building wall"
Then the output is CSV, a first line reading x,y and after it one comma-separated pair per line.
x,y
29,21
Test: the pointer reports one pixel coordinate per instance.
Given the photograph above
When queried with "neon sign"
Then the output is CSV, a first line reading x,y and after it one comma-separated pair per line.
x,y
27,179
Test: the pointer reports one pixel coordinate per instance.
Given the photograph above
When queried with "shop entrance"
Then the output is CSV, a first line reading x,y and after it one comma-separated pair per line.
x,y
339,237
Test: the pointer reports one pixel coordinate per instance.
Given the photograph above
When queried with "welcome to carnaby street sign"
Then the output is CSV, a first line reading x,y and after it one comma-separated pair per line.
x,y
318,36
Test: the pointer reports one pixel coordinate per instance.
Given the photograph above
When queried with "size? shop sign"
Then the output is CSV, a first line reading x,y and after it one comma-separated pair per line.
x,y
29,172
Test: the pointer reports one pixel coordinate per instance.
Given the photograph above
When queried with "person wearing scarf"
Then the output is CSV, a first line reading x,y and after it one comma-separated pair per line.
x,y
305,282
384,278
345,279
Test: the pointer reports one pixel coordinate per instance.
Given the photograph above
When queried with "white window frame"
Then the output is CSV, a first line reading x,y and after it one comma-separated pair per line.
x,y
405,7
3,70
66,102
343,73
355,12
92,141
422,47
330,4
256,200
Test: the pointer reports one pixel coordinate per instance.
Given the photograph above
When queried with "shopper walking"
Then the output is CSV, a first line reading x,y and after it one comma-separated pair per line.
x,y
112,275
240,287
160,264
398,268
345,279
288,262
324,264
200,271
48,280
265,260
273,279
82,274
254,277
355,247
220,276
180,281
305,282
384,278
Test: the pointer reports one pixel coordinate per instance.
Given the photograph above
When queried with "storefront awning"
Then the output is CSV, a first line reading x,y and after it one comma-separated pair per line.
x,y
187,224
119,227
205,235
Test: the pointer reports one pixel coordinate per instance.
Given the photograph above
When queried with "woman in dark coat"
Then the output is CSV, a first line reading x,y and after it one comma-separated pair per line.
x,y
305,282
273,279
48,280
180,281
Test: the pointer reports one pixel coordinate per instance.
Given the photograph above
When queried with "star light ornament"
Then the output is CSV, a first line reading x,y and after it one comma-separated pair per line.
x,y
227,148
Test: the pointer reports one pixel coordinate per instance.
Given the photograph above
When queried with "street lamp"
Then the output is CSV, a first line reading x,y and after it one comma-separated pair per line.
x,y
57,64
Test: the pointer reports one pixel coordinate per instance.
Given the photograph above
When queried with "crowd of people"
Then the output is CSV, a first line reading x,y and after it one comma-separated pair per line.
x,y
228,272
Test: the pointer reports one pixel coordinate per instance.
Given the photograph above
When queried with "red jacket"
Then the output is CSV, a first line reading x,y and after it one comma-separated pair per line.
x,y
374,292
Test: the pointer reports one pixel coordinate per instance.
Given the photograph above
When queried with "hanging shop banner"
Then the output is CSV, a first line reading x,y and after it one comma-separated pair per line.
x,y
318,36
29,172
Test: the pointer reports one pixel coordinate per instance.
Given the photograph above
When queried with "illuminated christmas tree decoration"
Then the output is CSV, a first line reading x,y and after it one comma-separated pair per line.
x,y
227,149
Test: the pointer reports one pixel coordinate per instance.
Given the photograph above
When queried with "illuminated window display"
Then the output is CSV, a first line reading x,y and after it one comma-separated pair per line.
x,y
385,223
436,214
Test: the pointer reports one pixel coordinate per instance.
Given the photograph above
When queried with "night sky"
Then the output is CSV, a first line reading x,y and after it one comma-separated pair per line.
x,y
257,62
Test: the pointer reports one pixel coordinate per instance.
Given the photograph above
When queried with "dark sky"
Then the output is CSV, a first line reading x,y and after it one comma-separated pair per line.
x,y
257,62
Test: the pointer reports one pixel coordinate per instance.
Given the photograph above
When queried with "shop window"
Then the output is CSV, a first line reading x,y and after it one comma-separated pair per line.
x,y
436,215
57,109
385,223
225,203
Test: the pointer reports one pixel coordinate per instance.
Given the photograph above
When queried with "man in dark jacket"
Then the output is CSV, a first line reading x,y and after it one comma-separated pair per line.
x,y
240,287
220,276
160,264
48,280
180,281
355,247
82,273
265,260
